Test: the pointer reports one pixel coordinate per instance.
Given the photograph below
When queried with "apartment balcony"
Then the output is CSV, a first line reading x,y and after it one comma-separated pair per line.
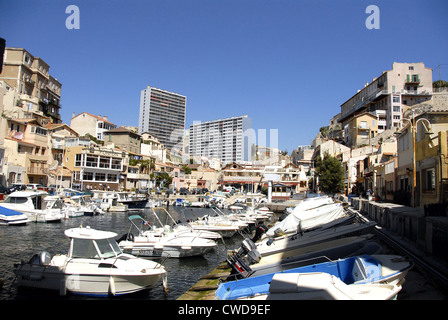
x,y
416,92
412,79
138,176
37,170
364,101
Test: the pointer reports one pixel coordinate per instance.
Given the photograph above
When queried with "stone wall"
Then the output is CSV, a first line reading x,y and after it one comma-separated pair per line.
x,y
428,233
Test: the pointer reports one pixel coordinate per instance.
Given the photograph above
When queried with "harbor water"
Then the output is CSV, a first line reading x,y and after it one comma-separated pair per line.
x,y
22,242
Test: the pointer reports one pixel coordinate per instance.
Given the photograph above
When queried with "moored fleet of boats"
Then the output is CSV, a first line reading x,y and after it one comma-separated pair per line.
x,y
317,250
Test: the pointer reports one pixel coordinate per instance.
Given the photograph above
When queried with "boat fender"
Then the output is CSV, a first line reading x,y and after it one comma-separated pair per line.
x,y
112,286
62,288
165,283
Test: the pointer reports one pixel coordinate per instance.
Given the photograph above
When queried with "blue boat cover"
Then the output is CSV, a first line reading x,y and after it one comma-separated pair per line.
x,y
8,212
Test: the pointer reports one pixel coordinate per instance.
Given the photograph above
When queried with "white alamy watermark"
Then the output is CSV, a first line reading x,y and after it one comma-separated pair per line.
x,y
73,20
373,20
244,145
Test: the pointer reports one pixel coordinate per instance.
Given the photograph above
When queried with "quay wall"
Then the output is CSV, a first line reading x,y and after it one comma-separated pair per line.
x,y
426,232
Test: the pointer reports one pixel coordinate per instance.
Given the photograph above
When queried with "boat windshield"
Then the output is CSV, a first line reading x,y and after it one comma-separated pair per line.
x,y
16,200
108,249
85,248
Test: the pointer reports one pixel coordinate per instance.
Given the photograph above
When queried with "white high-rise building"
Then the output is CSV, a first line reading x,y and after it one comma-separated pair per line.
x,y
228,140
162,114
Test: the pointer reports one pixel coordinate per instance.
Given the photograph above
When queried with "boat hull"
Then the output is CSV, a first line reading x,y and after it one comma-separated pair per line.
x,y
173,250
104,283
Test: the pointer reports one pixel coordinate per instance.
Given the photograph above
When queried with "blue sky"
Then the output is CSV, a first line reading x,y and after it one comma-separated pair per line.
x,y
288,64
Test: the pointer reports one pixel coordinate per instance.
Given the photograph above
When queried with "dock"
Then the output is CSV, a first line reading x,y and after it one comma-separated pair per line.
x,y
205,288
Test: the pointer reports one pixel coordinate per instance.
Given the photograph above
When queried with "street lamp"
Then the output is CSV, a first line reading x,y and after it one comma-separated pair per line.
x,y
414,129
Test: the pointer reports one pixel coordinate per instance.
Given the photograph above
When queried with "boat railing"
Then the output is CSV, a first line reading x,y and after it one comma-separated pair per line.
x,y
305,262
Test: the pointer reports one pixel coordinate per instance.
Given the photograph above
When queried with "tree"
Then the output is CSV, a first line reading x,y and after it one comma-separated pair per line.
x,y
440,84
331,174
187,169
164,179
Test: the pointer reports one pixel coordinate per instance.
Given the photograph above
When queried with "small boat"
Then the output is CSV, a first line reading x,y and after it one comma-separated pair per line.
x,y
10,217
365,269
279,244
185,227
302,220
323,286
319,252
162,241
132,201
94,266
224,228
36,204
109,202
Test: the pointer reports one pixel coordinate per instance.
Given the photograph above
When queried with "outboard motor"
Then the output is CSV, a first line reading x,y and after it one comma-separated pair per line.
x,y
259,232
241,260
41,259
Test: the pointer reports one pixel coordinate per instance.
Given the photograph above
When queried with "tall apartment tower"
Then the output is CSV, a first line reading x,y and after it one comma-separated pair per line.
x,y
162,114
224,139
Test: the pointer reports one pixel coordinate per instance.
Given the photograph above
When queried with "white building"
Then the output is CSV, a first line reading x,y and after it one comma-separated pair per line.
x,y
390,94
229,140
87,123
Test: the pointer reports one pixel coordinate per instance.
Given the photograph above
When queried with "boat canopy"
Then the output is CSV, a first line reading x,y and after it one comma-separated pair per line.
x,y
87,233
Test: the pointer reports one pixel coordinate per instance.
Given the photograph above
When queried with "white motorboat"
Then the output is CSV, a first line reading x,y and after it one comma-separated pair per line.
x,y
316,252
323,286
72,209
182,228
10,217
89,207
225,228
36,204
162,241
131,200
94,266
302,220
283,243
109,202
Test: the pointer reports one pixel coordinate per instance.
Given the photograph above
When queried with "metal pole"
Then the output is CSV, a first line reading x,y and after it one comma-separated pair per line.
x,y
413,162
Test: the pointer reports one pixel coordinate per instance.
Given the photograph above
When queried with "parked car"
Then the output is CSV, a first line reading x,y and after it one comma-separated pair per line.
x,y
184,191
17,187
36,186
5,190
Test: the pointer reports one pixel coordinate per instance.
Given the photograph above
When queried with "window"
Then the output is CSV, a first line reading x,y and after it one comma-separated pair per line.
x,y
39,131
78,159
429,179
91,161
100,176
411,67
396,108
396,99
363,125
87,176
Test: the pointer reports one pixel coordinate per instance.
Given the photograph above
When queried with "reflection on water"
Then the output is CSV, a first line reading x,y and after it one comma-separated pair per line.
x,y
21,242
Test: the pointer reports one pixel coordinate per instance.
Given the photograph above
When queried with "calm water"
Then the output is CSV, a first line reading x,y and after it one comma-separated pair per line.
x,y
21,242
